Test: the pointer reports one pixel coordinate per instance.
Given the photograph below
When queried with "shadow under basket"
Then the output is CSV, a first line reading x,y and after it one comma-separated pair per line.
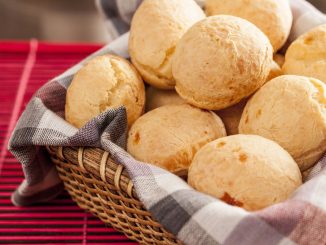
x,y
97,184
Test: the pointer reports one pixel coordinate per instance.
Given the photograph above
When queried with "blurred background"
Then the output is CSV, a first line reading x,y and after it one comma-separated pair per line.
x,y
59,20
53,20
321,4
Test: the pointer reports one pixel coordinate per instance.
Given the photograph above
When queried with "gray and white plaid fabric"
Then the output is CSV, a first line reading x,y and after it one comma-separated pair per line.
x,y
195,218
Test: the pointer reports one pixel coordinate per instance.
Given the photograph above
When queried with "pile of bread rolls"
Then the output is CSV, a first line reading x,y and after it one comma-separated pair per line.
x,y
221,103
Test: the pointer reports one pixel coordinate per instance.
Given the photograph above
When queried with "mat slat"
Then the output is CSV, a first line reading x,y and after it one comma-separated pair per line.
x,y
60,221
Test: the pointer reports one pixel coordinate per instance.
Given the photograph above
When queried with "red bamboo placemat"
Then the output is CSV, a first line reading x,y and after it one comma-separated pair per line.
x,y
24,67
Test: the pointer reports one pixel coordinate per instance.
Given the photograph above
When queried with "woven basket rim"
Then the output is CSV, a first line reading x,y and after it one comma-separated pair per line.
x,y
79,156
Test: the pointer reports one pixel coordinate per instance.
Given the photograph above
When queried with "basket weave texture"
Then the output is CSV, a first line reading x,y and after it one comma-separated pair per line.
x,y
97,184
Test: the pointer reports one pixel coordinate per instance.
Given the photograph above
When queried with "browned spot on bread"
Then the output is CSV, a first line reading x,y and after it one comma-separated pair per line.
x,y
243,157
230,200
240,65
254,66
232,87
258,113
308,40
221,144
247,119
137,138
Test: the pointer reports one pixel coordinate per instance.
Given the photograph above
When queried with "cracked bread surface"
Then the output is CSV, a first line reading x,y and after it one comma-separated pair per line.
x,y
156,27
105,82
221,60
273,17
291,110
170,135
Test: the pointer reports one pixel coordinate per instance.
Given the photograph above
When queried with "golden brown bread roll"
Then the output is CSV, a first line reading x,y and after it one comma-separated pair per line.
x,y
156,27
221,60
291,111
105,82
170,135
158,97
248,171
307,55
273,17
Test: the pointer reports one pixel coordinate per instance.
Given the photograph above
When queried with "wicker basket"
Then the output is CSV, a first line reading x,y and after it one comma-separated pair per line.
x,y
97,184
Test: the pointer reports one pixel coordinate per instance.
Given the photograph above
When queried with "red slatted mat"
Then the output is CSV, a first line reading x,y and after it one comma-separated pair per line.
x,y
24,67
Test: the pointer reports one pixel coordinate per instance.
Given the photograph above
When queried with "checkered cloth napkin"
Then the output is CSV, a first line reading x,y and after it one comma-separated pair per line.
x,y
195,218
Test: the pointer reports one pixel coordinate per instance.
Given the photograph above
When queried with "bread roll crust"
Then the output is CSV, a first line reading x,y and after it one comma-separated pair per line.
x,y
248,171
291,111
170,135
273,17
156,27
219,61
307,55
105,82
